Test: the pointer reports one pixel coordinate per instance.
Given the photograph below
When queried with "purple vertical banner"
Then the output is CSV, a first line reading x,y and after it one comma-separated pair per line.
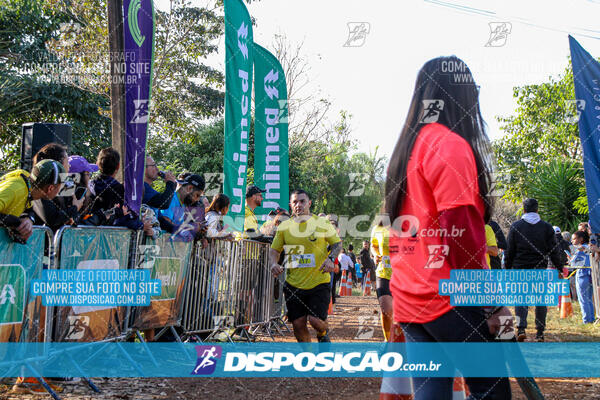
x,y
138,28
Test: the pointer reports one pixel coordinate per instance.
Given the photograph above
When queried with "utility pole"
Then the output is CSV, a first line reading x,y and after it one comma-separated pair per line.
x,y
117,85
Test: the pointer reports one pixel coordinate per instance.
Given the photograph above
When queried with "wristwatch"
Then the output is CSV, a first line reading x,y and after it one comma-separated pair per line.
x,y
27,215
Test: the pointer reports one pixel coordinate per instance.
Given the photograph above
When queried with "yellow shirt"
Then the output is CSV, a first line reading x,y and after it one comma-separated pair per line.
x,y
306,249
250,221
14,193
490,240
380,244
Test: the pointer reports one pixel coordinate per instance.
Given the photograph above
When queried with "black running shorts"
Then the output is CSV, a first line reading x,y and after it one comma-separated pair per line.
x,y
303,302
383,287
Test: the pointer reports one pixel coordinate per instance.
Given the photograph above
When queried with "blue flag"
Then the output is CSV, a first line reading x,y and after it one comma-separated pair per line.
x,y
586,75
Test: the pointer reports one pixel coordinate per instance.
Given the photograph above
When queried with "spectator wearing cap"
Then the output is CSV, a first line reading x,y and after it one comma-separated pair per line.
x,y
153,198
564,245
187,194
19,188
79,165
64,208
254,199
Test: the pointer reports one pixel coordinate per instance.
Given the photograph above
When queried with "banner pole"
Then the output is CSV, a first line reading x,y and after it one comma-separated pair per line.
x,y
117,88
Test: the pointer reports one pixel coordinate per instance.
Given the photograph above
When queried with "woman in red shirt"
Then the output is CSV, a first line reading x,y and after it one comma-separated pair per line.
x,y
437,197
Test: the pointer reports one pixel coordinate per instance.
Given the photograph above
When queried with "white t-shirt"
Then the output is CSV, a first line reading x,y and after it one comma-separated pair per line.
x,y
345,261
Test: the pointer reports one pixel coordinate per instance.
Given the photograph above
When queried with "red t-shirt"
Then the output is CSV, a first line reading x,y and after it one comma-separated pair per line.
x,y
441,175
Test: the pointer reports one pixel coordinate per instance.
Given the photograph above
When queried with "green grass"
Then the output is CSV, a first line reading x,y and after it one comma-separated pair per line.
x,y
570,329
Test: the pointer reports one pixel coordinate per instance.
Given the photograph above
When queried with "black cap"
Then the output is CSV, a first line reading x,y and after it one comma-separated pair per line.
x,y
47,172
194,180
252,190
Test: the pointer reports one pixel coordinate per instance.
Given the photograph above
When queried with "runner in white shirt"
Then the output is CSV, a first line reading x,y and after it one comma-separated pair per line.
x,y
345,260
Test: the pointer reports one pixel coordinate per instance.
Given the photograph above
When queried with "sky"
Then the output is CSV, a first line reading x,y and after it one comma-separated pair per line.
x,y
374,82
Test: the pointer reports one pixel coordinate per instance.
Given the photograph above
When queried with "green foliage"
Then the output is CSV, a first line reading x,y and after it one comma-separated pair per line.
x,y
581,204
54,64
322,168
556,185
44,41
540,155
542,128
185,90
29,88
203,154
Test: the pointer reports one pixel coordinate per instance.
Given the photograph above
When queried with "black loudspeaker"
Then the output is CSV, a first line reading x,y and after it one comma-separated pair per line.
x,y
38,134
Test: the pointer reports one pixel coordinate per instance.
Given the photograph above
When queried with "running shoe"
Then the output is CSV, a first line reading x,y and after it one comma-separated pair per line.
x,y
324,338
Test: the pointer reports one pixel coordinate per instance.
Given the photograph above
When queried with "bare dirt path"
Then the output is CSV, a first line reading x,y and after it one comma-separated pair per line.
x,y
355,319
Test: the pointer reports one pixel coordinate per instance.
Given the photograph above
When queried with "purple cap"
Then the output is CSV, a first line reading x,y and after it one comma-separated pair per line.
x,y
80,164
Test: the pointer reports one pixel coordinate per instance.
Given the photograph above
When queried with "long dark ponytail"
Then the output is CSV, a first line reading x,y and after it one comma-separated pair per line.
x,y
450,80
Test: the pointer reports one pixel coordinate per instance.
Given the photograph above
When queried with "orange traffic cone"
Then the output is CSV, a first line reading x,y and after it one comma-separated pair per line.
x,y
367,289
330,310
349,284
396,388
343,284
559,303
566,308
460,391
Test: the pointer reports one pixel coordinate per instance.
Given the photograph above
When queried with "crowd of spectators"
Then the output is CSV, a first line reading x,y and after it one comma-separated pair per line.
x,y
64,190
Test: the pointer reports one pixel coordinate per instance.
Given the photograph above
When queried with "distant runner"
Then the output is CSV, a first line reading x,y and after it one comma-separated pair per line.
x,y
380,247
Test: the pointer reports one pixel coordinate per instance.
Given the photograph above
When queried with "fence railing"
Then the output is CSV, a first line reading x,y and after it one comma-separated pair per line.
x,y
224,288
230,286
596,284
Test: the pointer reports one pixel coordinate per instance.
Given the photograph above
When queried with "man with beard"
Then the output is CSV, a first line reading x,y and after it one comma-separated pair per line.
x,y
254,199
152,198
187,194
311,246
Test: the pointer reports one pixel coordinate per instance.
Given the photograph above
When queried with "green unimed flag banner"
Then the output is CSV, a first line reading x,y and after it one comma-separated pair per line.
x,y
238,90
271,155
